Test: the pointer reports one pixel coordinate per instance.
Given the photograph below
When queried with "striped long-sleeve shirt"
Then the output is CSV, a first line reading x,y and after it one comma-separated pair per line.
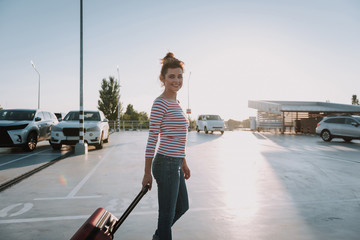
x,y
168,120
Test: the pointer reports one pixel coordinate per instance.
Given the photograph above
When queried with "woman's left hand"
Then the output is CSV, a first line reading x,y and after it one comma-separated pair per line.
x,y
186,170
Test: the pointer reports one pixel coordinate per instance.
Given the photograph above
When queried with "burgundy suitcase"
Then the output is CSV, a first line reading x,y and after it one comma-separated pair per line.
x,y
102,224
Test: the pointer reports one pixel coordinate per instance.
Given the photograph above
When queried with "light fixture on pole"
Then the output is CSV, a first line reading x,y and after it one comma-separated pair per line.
x,y
118,111
33,65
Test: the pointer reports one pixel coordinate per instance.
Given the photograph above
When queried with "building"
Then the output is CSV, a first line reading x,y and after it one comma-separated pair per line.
x,y
296,116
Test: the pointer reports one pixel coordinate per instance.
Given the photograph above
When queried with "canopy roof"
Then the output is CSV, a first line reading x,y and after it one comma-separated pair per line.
x,y
278,107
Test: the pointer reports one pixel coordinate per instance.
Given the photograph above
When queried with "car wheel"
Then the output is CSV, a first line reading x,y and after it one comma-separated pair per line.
x,y
347,139
56,146
107,139
206,131
31,142
326,136
101,143
197,129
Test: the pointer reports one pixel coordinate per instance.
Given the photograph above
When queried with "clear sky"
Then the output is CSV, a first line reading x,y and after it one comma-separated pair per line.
x,y
236,51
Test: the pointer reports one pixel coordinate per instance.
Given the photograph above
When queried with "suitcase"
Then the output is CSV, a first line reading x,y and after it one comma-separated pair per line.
x,y
102,224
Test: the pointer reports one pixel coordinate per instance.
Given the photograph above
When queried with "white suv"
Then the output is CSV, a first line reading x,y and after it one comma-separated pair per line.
x,y
210,123
96,130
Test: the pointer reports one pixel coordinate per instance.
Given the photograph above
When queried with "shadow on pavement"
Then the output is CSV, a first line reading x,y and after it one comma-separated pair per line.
x,y
320,179
41,155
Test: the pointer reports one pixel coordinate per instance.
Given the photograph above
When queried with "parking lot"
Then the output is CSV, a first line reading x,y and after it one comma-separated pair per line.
x,y
15,162
244,185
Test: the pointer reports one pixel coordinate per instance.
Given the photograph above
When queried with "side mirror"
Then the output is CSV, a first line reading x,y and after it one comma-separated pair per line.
x,y
37,119
105,120
355,124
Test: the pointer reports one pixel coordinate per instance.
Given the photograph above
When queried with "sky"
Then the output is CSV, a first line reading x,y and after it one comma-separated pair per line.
x,y
234,51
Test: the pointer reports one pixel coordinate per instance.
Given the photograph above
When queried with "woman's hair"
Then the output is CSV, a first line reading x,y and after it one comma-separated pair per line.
x,y
169,61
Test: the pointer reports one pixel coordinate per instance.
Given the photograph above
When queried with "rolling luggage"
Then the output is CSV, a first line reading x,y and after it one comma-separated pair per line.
x,y
102,224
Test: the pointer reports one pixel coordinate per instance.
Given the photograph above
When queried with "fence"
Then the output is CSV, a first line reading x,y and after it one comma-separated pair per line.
x,y
128,125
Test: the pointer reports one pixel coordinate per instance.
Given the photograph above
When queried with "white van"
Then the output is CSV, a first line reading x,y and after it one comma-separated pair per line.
x,y
208,122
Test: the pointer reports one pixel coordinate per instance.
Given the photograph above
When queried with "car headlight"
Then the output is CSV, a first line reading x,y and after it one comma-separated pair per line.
x,y
56,129
93,129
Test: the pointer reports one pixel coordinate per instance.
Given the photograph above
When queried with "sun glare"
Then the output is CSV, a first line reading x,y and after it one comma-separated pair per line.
x,y
238,176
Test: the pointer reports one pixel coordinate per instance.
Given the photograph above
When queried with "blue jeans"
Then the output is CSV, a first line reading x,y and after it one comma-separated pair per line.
x,y
172,193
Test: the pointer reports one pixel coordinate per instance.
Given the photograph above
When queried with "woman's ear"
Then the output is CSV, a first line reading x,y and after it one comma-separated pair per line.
x,y
162,80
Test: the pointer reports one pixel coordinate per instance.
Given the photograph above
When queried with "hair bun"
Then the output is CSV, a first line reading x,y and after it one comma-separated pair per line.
x,y
169,57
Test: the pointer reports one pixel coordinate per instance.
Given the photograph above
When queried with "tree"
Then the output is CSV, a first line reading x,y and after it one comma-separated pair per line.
x,y
354,100
109,98
143,116
1,108
131,114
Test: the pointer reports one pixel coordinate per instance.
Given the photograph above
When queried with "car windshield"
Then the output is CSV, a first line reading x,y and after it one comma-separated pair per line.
x,y
213,117
88,116
17,115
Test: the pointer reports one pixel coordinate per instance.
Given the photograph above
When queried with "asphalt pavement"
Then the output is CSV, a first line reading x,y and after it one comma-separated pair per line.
x,y
17,164
244,185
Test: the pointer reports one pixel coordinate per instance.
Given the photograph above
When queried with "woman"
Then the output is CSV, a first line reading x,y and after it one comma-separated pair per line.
x,y
169,165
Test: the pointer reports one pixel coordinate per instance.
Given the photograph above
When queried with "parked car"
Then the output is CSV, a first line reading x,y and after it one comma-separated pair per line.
x,y
66,132
25,127
210,123
345,127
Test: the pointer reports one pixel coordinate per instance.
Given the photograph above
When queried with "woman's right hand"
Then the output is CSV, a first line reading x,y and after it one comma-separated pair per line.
x,y
147,180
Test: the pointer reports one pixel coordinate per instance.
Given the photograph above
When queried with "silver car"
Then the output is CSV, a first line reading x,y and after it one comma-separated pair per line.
x,y
345,127
25,127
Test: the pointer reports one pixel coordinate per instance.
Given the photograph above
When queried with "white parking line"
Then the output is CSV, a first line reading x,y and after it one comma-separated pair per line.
x,y
18,159
45,219
77,188
139,213
67,198
86,178
62,218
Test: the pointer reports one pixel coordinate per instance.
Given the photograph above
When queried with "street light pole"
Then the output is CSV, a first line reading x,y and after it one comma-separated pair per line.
x,y
188,110
33,65
81,147
189,93
118,112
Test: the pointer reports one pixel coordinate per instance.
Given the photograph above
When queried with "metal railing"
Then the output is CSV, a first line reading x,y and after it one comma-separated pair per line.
x,y
128,125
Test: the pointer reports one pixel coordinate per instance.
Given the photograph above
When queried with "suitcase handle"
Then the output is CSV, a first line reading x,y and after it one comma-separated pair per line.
x,y
129,209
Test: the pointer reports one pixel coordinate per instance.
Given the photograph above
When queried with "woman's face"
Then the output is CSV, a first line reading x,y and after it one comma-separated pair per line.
x,y
173,79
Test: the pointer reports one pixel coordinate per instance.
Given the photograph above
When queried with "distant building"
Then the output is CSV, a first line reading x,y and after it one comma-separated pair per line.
x,y
296,116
